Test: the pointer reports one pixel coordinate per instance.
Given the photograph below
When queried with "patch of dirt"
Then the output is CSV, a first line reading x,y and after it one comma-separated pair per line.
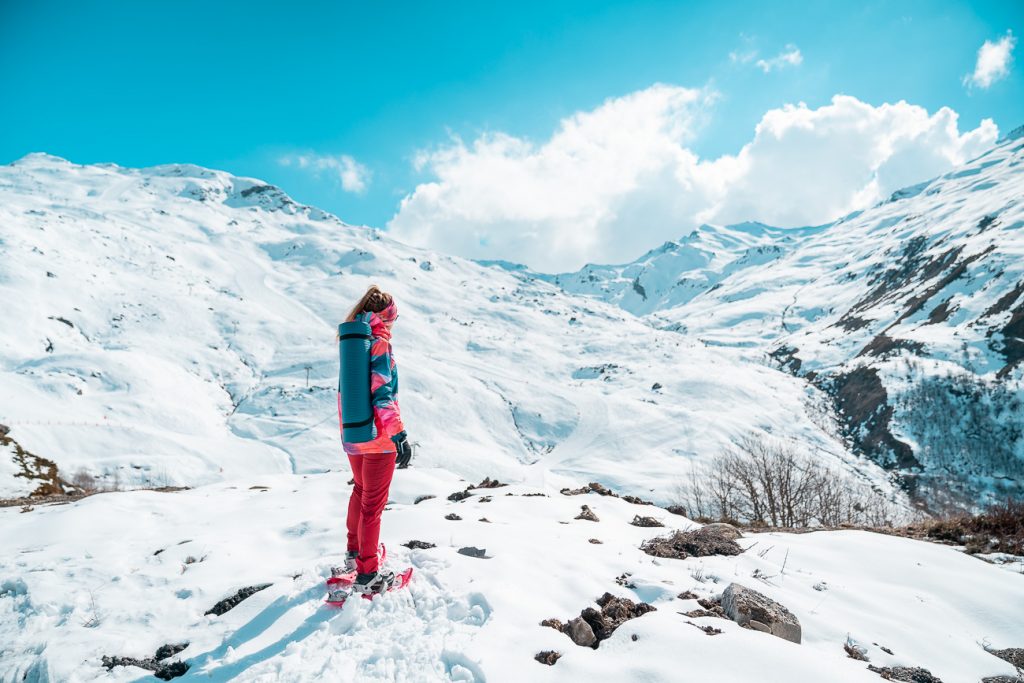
x,y
700,542
907,674
883,344
36,468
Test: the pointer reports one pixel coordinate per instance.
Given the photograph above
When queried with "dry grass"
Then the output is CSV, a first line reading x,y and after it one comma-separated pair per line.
x,y
1000,529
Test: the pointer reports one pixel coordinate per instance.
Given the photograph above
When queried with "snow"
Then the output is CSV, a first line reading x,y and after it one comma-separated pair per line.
x,y
828,292
194,312
168,319
464,618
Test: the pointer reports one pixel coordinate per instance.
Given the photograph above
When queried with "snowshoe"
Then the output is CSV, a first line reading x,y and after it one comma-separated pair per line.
x,y
339,593
346,573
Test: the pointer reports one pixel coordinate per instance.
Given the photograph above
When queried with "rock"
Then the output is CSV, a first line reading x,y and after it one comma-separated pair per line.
x,y
907,674
471,551
489,483
687,595
451,516
230,602
459,495
717,613
749,608
548,657
165,671
553,623
677,510
169,650
854,651
645,521
1002,679
581,632
419,545
636,500
1013,655
592,487
593,625
755,625
713,539
723,530
594,541
4,430
587,514
710,603
420,499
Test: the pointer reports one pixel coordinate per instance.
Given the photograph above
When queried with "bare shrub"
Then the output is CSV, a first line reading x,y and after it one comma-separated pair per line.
x,y
765,483
83,481
999,529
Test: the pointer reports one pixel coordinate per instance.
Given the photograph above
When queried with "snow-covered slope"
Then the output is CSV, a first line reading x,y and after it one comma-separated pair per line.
x,y
122,574
911,314
162,322
676,272
160,325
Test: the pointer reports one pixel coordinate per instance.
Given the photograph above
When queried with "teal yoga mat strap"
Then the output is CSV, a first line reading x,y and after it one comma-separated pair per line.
x,y
355,339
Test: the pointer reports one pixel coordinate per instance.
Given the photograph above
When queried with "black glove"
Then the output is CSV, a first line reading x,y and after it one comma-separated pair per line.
x,y
403,448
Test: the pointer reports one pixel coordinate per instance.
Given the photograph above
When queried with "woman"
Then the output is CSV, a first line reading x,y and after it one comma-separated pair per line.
x,y
373,462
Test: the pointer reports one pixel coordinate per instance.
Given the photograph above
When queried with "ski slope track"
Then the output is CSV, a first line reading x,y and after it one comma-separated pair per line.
x,y
174,327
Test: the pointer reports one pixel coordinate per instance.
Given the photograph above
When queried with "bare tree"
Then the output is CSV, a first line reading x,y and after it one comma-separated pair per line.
x,y
761,482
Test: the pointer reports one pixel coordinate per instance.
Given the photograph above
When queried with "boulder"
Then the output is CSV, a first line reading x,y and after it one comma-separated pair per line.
x,y
587,514
645,521
755,610
581,632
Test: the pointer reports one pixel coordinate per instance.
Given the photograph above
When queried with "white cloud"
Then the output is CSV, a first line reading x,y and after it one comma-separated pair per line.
x,y
789,57
738,57
353,176
617,180
993,62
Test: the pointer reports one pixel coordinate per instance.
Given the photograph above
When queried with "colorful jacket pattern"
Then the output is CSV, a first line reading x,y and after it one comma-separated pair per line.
x,y
383,386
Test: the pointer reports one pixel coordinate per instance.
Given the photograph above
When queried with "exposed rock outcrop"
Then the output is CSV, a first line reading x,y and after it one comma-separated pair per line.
x,y
755,610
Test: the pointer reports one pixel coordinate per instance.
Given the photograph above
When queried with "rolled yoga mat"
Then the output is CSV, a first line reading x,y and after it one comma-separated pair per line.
x,y
354,382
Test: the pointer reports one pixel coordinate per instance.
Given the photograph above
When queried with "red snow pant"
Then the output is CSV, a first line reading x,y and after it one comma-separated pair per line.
x,y
372,473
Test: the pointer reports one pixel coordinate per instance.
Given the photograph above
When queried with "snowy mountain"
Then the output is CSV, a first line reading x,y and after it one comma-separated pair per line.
x,y
167,319
676,272
174,326
910,315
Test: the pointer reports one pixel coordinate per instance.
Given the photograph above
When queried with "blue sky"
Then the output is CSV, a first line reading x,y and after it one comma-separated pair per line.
x,y
244,86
